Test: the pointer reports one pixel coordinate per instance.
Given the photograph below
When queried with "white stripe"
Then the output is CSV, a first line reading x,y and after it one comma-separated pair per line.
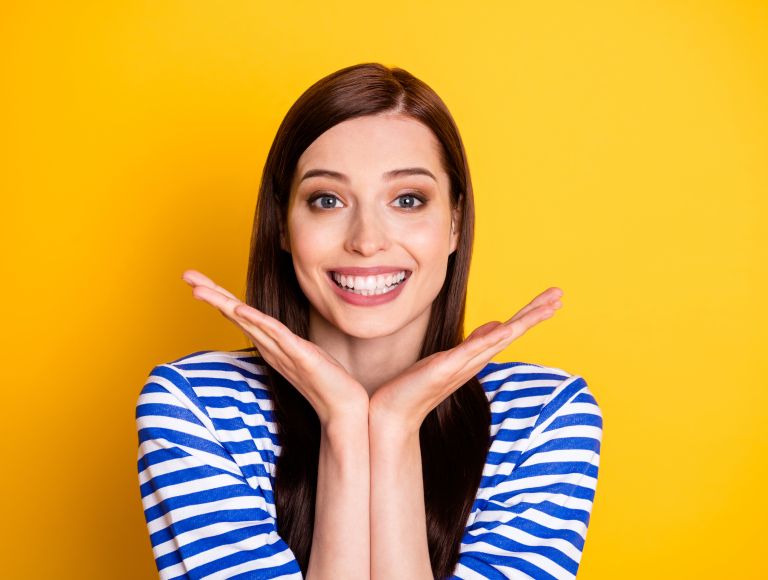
x,y
234,503
565,501
256,401
159,469
209,531
210,459
563,456
568,431
172,388
274,561
518,535
246,544
187,487
504,373
502,407
536,559
466,573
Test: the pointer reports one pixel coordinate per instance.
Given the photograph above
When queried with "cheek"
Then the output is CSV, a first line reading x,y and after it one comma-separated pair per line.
x,y
429,246
306,249
427,240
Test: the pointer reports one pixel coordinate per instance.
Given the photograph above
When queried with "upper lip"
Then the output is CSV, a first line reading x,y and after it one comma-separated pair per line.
x,y
373,271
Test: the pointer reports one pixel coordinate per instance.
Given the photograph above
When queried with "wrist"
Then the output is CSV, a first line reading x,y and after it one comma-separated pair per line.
x,y
347,427
386,423
348,413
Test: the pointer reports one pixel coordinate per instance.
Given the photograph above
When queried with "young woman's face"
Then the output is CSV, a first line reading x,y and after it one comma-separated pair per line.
x,y
354,212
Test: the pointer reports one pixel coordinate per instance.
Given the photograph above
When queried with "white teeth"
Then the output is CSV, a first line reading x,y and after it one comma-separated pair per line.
x,y
368,285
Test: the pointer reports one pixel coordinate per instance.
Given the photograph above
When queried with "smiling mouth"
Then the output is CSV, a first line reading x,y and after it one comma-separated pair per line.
x,y
369,285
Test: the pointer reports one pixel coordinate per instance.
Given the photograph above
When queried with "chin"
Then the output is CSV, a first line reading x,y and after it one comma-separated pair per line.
x,y
358,332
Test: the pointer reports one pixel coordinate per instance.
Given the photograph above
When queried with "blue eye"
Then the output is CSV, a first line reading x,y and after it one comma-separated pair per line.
x,y
414,200
325,197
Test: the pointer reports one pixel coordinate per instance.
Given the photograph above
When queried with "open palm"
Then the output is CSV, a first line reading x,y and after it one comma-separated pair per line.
x,y
323,381
409,397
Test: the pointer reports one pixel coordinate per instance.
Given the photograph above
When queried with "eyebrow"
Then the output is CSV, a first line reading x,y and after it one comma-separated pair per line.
x,y
389,175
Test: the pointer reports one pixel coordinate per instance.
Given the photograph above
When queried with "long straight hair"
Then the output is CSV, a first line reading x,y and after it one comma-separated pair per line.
x,y
455,435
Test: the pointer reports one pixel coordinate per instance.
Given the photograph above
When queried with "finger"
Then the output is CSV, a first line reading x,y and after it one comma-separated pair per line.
x,y
291,344
253,327
488,340
501,337
270,349
484,329
195,278
550,295
226,305
216,298
266,324
475,364
521,325
482,338
270,330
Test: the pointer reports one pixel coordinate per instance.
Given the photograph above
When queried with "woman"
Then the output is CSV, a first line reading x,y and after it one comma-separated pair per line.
x,y
362,436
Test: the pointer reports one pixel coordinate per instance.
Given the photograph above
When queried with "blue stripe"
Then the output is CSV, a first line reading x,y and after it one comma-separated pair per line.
x,y
262,552
201,521
495,458
166,411
474,559
560,399
509,545
232,536
574,420
194,498
174,376
259,391
291,567
177,477
159,456
534,394
180,438
505,396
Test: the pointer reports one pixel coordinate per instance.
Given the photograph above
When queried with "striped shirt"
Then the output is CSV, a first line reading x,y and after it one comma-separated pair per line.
x,y
207,450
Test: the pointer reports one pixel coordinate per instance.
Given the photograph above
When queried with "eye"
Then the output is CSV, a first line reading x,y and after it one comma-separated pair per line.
x,y
327,201
413,200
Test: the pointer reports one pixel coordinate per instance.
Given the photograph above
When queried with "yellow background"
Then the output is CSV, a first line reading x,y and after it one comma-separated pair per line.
x,y
619,150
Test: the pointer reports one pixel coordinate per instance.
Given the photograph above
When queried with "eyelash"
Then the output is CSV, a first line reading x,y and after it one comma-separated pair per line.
x,y
422,199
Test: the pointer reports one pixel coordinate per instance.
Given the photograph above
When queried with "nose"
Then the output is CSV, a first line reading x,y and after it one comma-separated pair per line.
x,y
366,235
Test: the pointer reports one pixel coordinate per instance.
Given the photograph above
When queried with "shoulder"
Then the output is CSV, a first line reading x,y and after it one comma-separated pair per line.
x,y
528,397
212,373
506,381
221,395
223,389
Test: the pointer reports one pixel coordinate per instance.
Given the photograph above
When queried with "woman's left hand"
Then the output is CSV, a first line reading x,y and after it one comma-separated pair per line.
x,y
407,399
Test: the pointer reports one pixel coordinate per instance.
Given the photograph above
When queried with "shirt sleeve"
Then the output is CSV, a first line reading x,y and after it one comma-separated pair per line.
x,y
205,520
533,522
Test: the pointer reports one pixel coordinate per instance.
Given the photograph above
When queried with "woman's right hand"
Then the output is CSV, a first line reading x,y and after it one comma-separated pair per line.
x,y
333,393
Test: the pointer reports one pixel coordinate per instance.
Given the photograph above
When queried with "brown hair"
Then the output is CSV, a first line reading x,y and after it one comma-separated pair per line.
x,y
455,436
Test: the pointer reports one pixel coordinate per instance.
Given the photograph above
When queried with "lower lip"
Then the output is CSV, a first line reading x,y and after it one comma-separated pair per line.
x,y
373,299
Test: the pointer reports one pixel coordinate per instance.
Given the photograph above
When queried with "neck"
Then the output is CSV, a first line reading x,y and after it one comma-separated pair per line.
x,y
371,361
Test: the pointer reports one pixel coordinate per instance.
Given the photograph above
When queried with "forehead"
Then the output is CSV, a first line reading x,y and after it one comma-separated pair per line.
x,y
366,147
